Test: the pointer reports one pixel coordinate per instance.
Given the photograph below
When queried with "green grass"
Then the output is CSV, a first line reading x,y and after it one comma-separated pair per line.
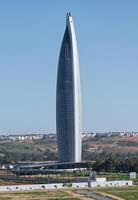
x,y
128,193
115,176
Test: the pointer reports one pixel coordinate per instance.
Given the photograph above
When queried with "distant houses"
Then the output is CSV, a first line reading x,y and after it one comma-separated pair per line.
x,y
110,134
37,136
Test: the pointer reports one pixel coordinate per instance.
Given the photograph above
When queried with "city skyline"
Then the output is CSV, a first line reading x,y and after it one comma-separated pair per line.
x,y
31,33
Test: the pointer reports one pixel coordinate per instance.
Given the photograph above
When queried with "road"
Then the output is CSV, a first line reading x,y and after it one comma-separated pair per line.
x,y
93,195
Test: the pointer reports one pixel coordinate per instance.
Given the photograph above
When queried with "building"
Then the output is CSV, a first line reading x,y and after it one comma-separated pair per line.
x,y
68,98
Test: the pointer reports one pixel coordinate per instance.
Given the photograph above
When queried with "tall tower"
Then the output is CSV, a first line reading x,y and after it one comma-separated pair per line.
x,y
68,98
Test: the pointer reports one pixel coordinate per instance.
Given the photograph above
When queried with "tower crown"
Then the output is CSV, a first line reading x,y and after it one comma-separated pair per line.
x,y
68,18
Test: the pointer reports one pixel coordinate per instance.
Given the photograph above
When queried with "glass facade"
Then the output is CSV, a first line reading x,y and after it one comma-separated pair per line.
x,y
65,101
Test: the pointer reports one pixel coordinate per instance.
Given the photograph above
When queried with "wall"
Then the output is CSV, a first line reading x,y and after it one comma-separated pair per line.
x,y
61,185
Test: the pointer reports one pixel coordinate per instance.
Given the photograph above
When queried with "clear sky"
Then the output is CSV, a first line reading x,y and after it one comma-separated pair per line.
x,y
31,32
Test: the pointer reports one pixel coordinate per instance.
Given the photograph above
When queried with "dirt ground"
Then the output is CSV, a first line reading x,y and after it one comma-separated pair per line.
x,y
42,195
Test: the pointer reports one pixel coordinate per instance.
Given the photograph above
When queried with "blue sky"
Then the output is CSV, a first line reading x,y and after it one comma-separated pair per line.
x,y
31,32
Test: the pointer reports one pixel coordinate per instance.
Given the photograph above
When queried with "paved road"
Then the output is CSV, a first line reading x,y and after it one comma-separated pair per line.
x,y
93,195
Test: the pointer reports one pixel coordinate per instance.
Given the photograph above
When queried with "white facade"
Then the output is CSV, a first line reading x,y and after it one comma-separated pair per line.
x,y
61,185
77,92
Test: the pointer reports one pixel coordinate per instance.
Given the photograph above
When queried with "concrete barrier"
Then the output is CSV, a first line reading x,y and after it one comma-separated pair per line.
x,y
64,185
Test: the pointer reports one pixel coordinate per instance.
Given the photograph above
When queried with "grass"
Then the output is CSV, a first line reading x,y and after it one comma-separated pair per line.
x,y
128,193
38,195
115,176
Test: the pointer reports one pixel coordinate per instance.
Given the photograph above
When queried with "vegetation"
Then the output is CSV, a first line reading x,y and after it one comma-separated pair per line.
x,y
116,164
128,193
38,195
112,158
15,151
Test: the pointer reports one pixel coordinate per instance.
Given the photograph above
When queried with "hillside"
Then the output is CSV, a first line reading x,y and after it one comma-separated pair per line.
x,y
46,149
115,144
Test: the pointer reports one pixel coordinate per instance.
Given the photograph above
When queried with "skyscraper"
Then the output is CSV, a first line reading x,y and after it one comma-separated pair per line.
x,y
68,99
